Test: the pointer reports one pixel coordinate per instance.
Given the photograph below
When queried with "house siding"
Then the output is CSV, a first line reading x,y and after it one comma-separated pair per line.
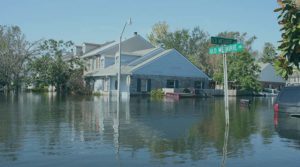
x,y
158,82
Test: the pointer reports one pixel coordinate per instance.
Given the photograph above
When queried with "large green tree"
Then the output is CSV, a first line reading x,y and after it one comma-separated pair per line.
x,y
49,68
15,51
193,44
269,53
289,19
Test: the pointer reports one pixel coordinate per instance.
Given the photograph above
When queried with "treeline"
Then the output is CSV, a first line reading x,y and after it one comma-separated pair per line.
x,y
39,64
243,69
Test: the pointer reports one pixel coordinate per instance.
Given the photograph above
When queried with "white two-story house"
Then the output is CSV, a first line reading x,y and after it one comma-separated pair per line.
x,y
143,68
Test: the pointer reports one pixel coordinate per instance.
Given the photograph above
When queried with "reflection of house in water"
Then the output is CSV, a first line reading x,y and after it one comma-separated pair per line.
x,y
190,129
160,126
137,122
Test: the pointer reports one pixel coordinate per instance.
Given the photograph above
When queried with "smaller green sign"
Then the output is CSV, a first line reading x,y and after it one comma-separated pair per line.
x,y
222,41
233,48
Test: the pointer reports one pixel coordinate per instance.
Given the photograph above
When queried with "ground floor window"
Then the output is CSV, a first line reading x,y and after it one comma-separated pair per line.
x,y
198,85
172,84
143,85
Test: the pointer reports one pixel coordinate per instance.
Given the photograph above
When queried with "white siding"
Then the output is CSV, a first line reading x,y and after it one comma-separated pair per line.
x,y
108,61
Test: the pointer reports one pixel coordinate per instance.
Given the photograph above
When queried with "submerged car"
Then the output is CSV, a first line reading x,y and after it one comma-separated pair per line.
x,y
288,101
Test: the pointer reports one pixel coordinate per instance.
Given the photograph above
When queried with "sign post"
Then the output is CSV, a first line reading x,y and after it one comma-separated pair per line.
x,y
226,45
226,89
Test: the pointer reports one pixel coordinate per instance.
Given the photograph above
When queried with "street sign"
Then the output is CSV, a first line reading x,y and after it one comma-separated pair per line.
x,y
233,48
222,41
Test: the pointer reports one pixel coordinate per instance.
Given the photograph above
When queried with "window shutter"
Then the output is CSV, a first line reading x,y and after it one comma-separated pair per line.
x,y
138,88
176,83
148,85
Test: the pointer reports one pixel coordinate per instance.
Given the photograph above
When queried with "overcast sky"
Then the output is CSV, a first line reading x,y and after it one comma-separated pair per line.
x,y
102,20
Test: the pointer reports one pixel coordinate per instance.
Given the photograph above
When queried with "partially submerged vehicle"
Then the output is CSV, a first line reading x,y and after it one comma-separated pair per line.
x,y
288,101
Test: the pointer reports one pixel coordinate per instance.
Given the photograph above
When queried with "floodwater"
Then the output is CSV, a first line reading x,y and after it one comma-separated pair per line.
x,y
70,131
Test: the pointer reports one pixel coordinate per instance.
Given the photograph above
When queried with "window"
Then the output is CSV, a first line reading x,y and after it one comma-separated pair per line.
x,y
198,85
102,63
98,62
172,84
92,64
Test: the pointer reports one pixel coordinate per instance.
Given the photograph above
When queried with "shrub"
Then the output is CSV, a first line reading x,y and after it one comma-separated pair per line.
x,y
157,93
96,93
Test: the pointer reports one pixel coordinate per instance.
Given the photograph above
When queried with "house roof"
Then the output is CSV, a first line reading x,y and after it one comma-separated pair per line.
x,y
168,63
131,68
132,45
68,56
126,69
151,59
100,46
95,44
142,58
268,74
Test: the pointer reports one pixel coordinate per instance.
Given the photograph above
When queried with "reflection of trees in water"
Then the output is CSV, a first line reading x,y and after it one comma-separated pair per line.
x,y
11,120
196,125
201,138
208,133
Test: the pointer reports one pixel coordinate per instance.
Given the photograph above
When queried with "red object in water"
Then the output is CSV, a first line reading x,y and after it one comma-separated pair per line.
x,y
276,107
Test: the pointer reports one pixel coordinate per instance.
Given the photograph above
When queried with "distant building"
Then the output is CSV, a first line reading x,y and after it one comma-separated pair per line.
x,y
294,79
143,68
268,77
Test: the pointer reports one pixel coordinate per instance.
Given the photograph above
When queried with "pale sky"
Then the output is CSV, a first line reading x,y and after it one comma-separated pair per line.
x,y
102,20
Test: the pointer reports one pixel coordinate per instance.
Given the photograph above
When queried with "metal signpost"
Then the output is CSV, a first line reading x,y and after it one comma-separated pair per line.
x,y
226,45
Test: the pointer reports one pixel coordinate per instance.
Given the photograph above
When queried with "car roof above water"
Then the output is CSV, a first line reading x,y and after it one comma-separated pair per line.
x,y
289,95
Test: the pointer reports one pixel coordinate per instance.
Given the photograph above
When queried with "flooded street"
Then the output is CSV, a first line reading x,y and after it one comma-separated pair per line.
x,y
50,130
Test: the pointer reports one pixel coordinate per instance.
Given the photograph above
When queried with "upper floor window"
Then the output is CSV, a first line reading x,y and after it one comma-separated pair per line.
x,y
92,64
98,62
102,63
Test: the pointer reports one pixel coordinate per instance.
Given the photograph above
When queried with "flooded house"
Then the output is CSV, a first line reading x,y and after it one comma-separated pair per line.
x,y
144,67
268,77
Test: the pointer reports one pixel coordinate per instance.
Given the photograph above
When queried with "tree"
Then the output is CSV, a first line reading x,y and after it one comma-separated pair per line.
x,y
15,51
192,44
242,69
159,33
195,45
289,19
50,69
269,53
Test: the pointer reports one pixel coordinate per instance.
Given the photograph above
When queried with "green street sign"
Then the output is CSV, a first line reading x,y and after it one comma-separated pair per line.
x,y
222,41
233,48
